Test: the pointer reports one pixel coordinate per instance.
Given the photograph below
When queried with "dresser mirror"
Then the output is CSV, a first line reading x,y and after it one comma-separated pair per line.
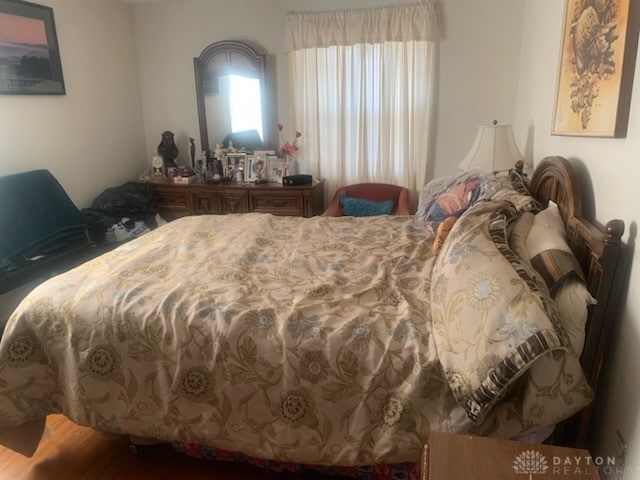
x,y
231,91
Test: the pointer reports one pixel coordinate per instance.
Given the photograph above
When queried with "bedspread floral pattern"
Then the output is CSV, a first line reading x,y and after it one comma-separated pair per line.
x,y
495,322
304,340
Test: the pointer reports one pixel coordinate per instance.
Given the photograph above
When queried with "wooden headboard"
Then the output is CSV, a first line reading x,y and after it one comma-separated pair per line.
x,y
601,255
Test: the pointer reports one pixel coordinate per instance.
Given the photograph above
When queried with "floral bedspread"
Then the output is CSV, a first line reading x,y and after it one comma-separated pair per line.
x,y
303,340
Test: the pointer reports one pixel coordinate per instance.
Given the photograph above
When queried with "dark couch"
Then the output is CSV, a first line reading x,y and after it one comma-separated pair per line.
x,y
39,227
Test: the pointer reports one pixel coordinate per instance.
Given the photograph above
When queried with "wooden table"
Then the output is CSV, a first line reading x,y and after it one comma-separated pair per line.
x,y
464,457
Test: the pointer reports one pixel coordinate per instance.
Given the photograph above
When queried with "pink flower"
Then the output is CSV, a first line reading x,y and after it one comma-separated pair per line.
x,y
287,148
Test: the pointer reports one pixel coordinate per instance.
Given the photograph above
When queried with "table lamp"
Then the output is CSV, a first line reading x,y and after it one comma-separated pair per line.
x,y
494,149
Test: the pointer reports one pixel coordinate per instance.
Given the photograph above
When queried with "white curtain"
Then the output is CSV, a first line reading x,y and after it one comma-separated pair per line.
x,y
401,23
364,108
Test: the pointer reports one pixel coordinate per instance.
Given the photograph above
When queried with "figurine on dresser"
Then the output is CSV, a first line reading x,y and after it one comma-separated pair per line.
x,y
218,152
168,150
192,150
200,170
218,169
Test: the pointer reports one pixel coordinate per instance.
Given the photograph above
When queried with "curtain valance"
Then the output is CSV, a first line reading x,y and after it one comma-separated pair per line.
x,y
416,21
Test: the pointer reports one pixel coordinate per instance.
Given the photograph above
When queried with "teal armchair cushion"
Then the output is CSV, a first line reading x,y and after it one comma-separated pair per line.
x,y
360,207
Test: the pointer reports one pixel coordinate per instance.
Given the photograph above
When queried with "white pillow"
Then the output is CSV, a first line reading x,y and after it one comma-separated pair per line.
x,y
547,232
572,297
573,300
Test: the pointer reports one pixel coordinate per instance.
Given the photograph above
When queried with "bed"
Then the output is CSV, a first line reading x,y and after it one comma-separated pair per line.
x,y
324,341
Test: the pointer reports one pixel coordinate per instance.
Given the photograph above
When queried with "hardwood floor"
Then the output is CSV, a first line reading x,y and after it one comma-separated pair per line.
x,y
72,452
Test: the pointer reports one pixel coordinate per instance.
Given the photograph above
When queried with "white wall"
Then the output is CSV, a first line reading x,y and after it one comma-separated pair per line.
x,y
478,62
92,137
478,76
614,167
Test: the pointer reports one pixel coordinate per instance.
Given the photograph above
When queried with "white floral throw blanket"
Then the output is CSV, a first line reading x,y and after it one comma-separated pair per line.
x,y
303,340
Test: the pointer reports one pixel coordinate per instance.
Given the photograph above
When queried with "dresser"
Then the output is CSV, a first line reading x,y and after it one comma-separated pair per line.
x,y
176,200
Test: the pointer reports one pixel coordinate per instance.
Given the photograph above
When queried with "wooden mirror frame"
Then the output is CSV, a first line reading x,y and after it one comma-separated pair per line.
x,y
200,63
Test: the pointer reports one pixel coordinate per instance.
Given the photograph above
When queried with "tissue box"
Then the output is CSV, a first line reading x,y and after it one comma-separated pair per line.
x,y
184,180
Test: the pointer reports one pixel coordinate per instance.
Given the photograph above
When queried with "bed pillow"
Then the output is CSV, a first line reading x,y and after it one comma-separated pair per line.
x,y
360,207
430,190
451,197
491,320
522,202
548,249
573,301
518,182
553,259
519,234
547,231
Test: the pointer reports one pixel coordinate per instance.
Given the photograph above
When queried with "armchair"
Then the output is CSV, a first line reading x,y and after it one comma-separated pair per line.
x,y
377,192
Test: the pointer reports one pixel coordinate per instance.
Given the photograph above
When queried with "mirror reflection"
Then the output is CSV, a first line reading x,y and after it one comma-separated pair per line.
x,y
234,107
230,88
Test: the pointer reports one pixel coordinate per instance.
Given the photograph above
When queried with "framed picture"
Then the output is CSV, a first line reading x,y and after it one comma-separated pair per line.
x,y
595,72
256,167
235,162
29,55
275,168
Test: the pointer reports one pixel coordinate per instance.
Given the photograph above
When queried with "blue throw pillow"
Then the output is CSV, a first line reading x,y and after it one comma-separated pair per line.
x,y
359,207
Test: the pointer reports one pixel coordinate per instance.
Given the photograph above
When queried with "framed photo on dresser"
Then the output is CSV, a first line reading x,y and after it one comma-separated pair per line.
x,y
235,161
257,164
275,168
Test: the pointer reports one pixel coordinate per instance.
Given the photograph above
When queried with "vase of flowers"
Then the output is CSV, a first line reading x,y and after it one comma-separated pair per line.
x,y
287,149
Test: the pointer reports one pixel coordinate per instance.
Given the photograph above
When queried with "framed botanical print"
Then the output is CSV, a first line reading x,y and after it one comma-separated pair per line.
x,y
595,72
29,55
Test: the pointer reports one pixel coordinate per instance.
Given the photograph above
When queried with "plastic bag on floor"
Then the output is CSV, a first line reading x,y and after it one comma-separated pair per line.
x,y
119,232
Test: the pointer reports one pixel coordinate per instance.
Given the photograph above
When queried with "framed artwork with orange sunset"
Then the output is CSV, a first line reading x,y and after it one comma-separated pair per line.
x,y
29,54
595,72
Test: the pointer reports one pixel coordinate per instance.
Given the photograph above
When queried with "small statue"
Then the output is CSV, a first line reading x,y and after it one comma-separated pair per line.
x,y
218,152
231,148
218,170
205,160
192,150
199,169
167,149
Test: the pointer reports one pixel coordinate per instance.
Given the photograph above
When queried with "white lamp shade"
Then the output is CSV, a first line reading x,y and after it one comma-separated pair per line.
x,y
494,149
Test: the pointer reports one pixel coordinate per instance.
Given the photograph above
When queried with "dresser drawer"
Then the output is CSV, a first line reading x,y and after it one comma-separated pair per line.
x,y
172,197
233,201
277,202
172,201
204,202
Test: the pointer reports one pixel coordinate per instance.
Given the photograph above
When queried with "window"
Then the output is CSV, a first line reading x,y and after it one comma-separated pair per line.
x,y
364,106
